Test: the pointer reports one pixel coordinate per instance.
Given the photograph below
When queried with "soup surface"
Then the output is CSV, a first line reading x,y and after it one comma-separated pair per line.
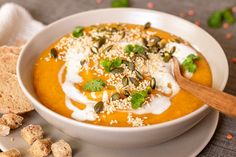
x,y
118,75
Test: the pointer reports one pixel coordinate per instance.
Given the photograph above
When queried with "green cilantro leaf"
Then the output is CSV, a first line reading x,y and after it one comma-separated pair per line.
x,y
120,3
228,16
138,98
134,48
94,85
189,63
108,65
129,48
216,19
138,49
78,31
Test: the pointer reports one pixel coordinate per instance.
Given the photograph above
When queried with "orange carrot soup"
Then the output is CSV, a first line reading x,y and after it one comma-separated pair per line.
x,y
119,75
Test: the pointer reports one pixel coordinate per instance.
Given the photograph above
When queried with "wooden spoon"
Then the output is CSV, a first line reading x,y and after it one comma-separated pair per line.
x,y
218,100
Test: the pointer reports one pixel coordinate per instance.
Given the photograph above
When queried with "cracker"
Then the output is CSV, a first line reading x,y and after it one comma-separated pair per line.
x,y
12,100
9,49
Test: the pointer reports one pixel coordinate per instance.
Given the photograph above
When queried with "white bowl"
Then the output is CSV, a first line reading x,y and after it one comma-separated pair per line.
x,y
114,136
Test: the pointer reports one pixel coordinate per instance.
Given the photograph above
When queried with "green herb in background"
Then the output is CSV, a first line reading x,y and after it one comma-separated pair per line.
x,y
94,85
189,63
78,31
228,16
120,3
218,17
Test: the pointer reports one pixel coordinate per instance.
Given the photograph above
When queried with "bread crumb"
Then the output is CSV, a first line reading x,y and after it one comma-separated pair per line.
x,y
32,133
4,130
229,136
40,148
12,120
11,153
61,149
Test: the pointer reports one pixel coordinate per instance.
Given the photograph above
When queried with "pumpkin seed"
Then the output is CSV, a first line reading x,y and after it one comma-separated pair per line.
x,y
115,96
144,56
122,35
139,75
147,25
126,93
166,57
82,62
131,66
125,62
153,83
172,49
125,81
98,107
99,42
107,49
94,49
134,81
117,70
113,29
53,53
145,42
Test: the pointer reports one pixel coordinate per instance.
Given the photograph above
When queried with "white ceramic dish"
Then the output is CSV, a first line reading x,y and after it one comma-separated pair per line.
x,y
188,144
122,137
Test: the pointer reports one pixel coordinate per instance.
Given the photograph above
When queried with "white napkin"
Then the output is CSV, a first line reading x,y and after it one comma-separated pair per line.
x,y
16,25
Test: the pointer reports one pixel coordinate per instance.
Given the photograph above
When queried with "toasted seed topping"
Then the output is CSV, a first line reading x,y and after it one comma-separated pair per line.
x,y
94,49
125,81
117,70
98,107
147,25
134,81
126,93
53,53
115,96
139,75
153,83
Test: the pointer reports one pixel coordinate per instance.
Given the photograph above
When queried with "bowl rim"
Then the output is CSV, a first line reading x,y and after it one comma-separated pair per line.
x,y
70,121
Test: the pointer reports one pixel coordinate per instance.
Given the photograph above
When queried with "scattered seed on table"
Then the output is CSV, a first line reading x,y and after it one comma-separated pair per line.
x,y
225,25
234,9
229,136
229,36
182,14
233,60
191,12
99,1
150,5
197,22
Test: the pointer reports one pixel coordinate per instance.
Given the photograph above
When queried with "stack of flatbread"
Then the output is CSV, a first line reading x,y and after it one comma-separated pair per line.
x,y
12,100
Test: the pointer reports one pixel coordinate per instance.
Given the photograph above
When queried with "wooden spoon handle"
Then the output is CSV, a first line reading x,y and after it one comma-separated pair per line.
x,y
221,101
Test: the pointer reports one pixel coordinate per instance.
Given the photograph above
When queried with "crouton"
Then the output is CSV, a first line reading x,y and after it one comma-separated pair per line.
x,y
32,133
4,130
11,153
40,148
12,120
61,149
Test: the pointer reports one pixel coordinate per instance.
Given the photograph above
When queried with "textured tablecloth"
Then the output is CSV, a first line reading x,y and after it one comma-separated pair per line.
x,y
48,11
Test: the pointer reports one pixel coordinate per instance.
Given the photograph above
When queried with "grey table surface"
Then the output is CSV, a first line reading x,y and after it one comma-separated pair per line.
x,y
48,11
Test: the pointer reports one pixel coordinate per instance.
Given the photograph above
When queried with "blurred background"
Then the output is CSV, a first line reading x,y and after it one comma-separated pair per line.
x,y
196,11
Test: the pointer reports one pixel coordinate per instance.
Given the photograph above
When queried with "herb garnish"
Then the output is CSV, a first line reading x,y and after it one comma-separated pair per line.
x,y
94,85
78,31
138,98
189,63
134,48
108,65
120,3
217,18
